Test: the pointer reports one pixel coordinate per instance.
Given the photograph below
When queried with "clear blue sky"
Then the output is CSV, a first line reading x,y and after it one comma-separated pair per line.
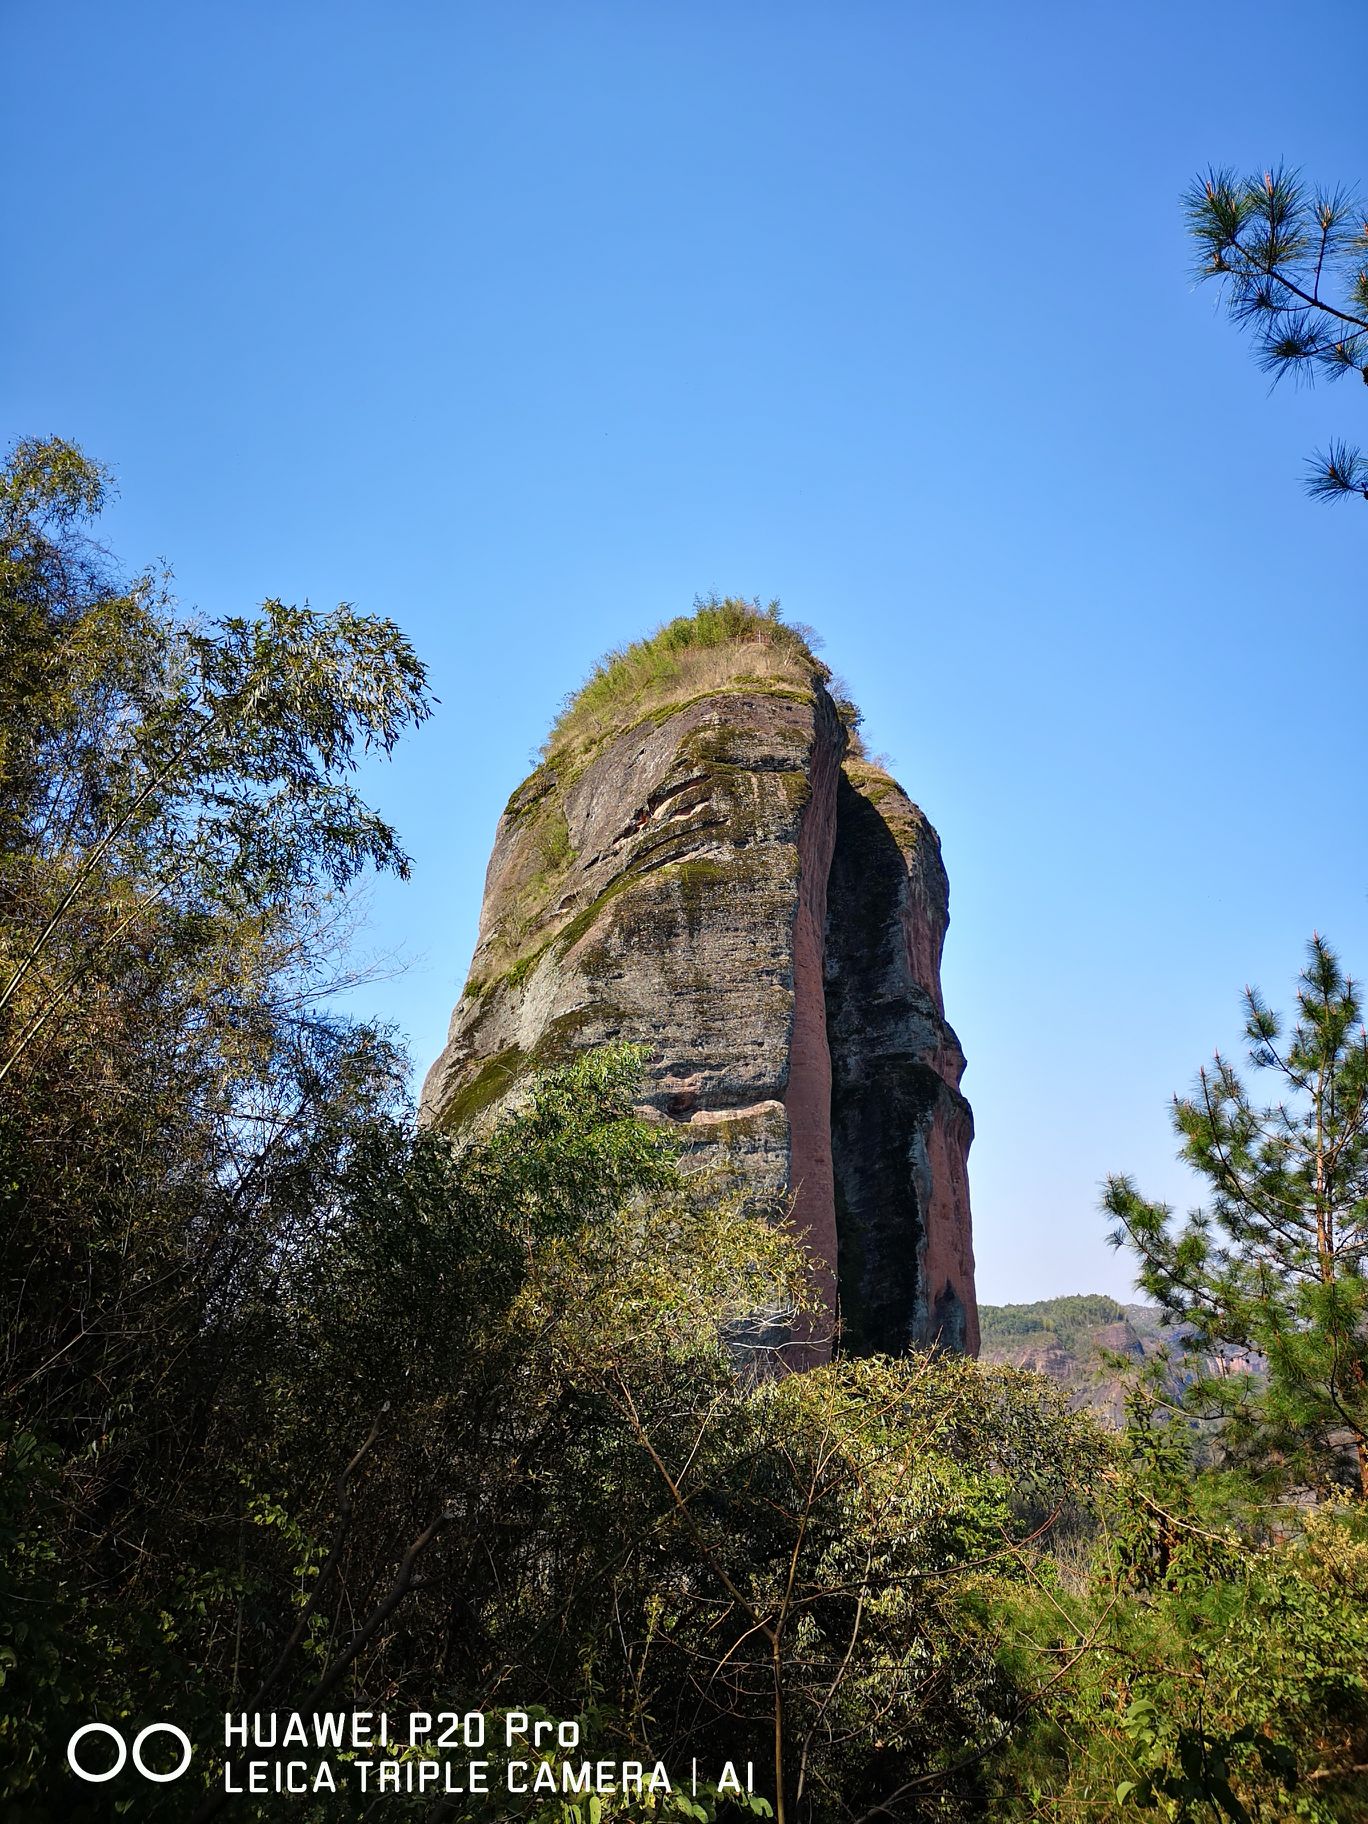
x,y
526,323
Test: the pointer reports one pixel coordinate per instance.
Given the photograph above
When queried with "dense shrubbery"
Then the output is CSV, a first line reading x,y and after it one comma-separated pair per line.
x,y
1215,1651
305,1408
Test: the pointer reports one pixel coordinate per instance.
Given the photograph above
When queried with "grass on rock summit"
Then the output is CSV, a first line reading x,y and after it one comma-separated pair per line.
x,y
725,644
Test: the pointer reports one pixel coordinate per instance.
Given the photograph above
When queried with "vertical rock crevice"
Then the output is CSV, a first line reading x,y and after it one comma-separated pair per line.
x,y
900,1127
807,1095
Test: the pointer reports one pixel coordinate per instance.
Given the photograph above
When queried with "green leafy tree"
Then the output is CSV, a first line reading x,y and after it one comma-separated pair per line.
x,y
178,1102
1273,1270
1292,262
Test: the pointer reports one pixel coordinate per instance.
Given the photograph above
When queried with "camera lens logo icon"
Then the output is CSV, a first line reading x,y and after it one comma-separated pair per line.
x,y
148,1773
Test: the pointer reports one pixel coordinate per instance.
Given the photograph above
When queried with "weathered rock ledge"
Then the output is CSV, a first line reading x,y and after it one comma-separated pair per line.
x,y
713,874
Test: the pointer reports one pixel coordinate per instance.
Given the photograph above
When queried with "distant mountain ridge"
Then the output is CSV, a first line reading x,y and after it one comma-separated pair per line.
x,y
1070,1338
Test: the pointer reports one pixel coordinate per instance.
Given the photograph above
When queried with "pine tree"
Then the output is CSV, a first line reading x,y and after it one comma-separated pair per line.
x,y
1293,265
1276,1264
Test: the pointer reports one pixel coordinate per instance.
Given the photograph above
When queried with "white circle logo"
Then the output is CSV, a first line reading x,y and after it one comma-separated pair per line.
x,y
95,1729
148,1773
161,1729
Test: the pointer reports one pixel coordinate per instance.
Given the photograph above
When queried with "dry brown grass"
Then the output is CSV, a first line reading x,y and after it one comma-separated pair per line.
x,y
721,644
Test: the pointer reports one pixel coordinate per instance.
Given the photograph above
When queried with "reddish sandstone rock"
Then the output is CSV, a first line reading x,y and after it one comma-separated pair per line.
x,y
702,867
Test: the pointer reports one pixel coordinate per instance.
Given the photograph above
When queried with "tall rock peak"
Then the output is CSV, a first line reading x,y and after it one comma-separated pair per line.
x,y
705,863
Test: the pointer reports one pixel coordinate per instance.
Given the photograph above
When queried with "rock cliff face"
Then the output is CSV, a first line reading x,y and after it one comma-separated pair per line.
x,y
701,865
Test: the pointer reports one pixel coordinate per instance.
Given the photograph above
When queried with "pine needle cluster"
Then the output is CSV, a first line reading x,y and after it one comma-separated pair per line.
x,y
1292,261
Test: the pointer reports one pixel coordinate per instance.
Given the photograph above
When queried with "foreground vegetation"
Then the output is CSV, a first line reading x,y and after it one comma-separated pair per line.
x,y
307,1409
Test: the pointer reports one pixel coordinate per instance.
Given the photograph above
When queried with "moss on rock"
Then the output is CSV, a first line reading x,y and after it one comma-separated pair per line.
x,y
491,1081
